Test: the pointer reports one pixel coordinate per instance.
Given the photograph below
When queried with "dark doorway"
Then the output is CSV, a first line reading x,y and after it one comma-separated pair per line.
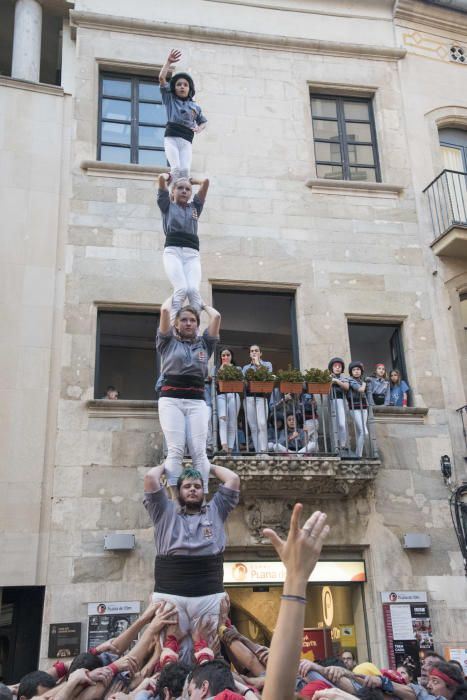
x,y
20,631
259,317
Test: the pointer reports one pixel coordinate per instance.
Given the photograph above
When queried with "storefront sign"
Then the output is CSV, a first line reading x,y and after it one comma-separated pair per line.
x,y
248,573
64,639
408,626
347,636
316,644
107,620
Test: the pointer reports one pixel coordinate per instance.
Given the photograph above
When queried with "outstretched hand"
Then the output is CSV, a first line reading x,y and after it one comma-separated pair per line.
x,y
174,56
301,550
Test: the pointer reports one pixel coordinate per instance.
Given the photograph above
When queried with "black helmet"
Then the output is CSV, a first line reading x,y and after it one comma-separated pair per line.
x,y
334,360
356,364
188,78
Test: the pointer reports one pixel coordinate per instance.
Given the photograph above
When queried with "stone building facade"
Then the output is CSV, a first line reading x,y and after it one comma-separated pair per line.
x,y
82,235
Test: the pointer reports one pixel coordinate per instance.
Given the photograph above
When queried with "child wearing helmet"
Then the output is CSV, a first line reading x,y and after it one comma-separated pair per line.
x,y
358,405
184,117
339,388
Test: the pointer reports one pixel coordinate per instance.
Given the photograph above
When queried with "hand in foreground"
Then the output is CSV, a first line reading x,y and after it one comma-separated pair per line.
x,y
148,614
107,646
301,550
334,673
103,674
127,663
80,677
166,614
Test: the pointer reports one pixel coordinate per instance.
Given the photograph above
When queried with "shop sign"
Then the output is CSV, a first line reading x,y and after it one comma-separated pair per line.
x,y
248,573
347,636
108,620
408,627
64,639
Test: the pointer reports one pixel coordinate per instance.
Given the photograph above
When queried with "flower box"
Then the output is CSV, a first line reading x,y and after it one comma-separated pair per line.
x,y
261,387
230,386
318,388
290,387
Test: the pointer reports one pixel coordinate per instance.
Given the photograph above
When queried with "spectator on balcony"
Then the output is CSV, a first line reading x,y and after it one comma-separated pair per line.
x,y
358,404
378,387
398,389
256,407
228,406
293,439
339,388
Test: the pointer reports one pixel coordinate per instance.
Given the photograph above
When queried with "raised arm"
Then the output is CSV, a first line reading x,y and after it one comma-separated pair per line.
x,y
214,321
227,476
173,57
163,181
152,480
203,190
299,554
164,322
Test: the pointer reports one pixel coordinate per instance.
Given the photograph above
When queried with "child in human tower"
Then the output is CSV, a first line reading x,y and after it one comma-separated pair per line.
x,y
184,117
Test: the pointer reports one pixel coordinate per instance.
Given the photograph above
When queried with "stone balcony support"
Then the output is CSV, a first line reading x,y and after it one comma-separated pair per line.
x,y
27,41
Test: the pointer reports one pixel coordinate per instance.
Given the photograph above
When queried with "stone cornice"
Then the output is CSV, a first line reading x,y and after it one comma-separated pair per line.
x,y
17,84
422,13
214,35
132,171
123,408
321,185
399,414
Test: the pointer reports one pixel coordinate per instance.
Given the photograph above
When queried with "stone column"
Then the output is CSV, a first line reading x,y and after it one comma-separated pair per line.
x,y
27,40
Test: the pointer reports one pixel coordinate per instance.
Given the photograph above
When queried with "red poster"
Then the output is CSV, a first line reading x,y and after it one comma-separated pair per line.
x,y
317,644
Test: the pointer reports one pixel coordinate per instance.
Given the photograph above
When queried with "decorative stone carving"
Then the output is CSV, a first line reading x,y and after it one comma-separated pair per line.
x,y
302,478
267,512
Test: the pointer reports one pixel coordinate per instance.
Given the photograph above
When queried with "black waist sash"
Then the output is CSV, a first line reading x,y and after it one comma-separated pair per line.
x,y
183,386
179,130
189,576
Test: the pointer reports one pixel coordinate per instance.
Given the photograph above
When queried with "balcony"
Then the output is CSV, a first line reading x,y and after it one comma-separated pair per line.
x,y
447,199
313,466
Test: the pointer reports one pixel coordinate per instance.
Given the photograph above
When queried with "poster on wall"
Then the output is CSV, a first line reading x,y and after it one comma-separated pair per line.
x,y
408,627
64,639
108,620
457,654
316,644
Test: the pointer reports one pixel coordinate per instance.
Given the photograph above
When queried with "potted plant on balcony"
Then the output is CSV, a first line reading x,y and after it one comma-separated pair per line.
x,y
230,380
290,381
318,381
260,381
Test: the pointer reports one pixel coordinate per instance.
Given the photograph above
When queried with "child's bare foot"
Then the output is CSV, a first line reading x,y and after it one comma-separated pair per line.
x,y
195,181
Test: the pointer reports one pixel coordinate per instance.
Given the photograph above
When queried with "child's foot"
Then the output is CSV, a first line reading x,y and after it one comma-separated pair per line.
x,y
195,181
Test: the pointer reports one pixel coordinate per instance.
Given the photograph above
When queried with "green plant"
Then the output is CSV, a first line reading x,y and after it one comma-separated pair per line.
x,y
290,375
262,374
317,376
230,373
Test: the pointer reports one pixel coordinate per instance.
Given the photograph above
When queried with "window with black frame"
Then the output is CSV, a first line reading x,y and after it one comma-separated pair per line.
x,y
125,354
345,138
378,343
132,120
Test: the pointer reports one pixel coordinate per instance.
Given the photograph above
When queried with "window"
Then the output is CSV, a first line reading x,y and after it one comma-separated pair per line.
x,y
126,357
264,318
345,138
132,120
377,342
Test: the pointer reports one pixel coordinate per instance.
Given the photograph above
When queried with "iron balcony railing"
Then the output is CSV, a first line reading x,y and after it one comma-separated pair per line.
x,y
447,199
257,424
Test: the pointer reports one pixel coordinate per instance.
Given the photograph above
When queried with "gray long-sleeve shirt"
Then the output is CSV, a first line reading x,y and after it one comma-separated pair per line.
x,y
185,357
178,533
184,112
180,223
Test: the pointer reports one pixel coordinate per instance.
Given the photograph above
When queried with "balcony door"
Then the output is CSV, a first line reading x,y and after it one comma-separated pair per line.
x,y
453,143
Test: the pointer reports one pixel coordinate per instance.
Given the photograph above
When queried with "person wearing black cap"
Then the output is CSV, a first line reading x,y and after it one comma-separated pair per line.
x,y
358,405
184,117
339,387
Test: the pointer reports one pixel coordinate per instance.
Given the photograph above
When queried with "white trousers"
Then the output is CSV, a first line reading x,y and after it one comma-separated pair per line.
x,y
277,447
341,422
360,417
178,152
212,608
256,409
228,406
184,421
311,425
183,269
